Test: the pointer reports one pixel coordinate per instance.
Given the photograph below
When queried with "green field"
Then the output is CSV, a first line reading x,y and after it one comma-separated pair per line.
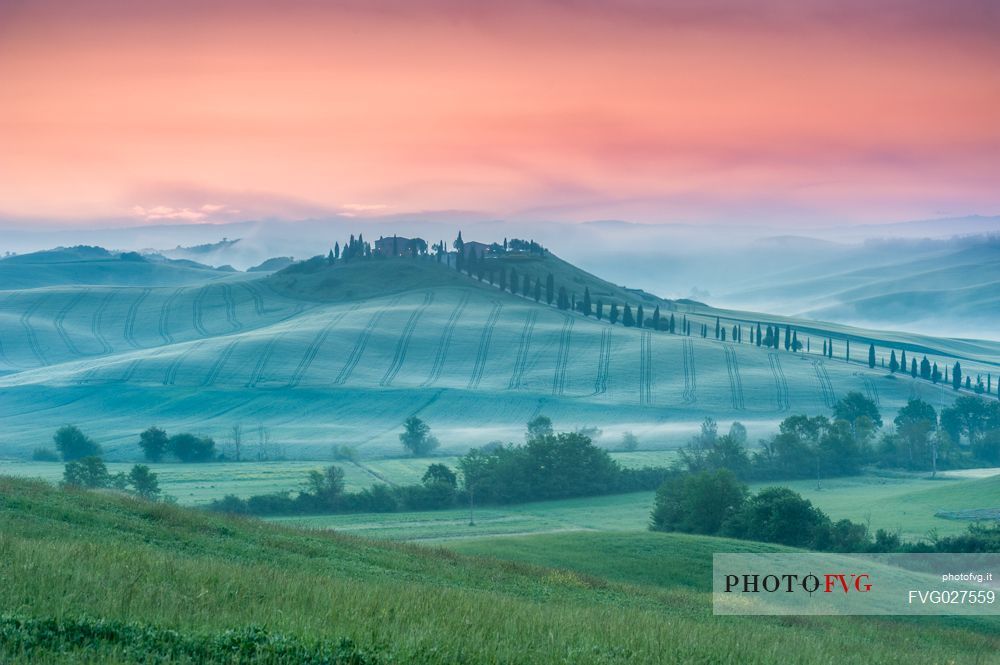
x,y
346,354
571,598
198,484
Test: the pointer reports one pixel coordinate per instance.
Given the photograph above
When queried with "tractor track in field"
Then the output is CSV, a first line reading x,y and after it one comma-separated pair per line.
x,y
213,373
829,397
163,327
197,311
3,354
33,344
95,322
258,369
130,371
257,296
445,342
313,349
562,357
133,311
780,383
362,343
484,346
689,396
227,297
645,368
399,357
171,374
871,390
603,364
61,325
735,381
523,344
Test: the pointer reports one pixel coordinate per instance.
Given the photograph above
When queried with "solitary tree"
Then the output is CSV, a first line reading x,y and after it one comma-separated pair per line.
x,y
144,482
191,448
74,444
416,437
89,472
538,427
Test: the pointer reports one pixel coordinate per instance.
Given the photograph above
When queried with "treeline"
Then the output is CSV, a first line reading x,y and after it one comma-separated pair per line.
x,y
717,503
919,439
547,466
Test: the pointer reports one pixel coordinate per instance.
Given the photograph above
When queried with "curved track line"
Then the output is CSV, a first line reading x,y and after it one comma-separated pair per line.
x,y
197,311
735,382
257,296
133,310
780,383
171,374
60,322
445,342
689,396
562,357
163,328
645,368
227,297
33,344
871,390
313,349
404,341
361,344
258,369
523,345
603,363
829,397
95,323
213,373
484,346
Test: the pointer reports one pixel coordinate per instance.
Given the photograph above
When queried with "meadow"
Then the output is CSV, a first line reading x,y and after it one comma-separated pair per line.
x,y
192,587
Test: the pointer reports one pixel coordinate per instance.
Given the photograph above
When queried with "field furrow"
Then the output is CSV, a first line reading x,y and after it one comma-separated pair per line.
x,y
523,344
133,311
227,297
445,342
60,322
780,383
825,385
404,341
171,374
735,381
198,311
484,346
29,331
645,368
256,297
362,343
603,364
689,396
313,349
213,373
164,321
98,322
258,370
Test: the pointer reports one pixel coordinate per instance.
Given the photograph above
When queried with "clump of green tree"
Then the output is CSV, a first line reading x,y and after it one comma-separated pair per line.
x,y
73,444
416,437
185,447
92,473
716,502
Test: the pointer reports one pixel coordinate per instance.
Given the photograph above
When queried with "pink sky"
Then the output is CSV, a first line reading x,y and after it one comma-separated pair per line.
x,y
792,111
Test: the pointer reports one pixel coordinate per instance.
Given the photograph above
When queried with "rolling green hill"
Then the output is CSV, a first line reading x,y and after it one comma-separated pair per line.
x,y
344,354
193,587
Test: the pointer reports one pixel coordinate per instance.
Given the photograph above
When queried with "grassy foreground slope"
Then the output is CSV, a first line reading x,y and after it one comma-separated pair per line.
x,y
102,578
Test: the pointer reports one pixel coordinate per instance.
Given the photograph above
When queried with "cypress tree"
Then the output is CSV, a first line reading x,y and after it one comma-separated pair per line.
x,y
336,250
513,281
639,317
600,310
871,356
956,376
613,316
538,289
847,352
563,302
935,374
758,334
913,368
788,337
830,349
717,328
795,341
723,338
329,258
824,348
627,319
893,363
925,368
902,361
586,301
656,318
673,323
735,334
550,289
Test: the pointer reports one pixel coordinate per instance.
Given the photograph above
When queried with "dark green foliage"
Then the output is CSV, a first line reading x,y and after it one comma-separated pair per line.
x,y
656,319
73,444
563,302
613,316
539,426
697,502
956,376
538,290
779,515
893,363
587,308
854,406
153,443
640,317
416,437
550,289
627,319
88,472
190,448
144,482
44,455
600,310
871,356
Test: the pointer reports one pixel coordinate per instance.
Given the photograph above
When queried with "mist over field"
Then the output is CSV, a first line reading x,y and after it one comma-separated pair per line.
x,y
937,277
